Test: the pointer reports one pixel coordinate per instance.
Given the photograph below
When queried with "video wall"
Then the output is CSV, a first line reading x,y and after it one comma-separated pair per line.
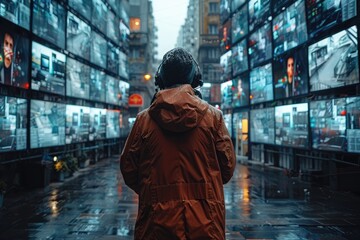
x,y
63,66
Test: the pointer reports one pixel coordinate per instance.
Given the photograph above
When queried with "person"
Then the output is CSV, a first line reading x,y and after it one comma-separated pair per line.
x,y
8,52
290,76
177,158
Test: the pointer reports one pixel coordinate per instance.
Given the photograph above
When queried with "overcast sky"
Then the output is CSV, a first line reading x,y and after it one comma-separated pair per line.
x,y
169,16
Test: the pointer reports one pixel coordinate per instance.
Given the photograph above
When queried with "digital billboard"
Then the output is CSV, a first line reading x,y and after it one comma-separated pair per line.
x,y
123,95
82,6
226,94
240,24
77,79
112,90
77,124
259,12
78,37
97,129
224,10
225,63
262,123
261,86
16,11
260,46
113,58
123,68
99,15
113,31
112,123
97,85
239,58
98,50
240,91
353,124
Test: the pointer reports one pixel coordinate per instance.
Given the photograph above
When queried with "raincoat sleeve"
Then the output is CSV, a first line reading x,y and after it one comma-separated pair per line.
x,y
225,152
130,157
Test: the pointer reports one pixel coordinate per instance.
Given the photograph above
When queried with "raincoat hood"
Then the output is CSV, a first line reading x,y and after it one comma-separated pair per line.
x,y
178,109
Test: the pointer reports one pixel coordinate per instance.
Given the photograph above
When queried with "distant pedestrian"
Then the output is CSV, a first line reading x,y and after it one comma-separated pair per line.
x,y
177,158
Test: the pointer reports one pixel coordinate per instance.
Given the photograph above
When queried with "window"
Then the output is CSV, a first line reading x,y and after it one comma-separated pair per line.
x,y
213,7
213,29
135,24
212,53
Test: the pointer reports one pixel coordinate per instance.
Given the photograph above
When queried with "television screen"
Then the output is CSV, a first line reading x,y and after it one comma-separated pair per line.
x,y
14,59
226,94
333,61
124,9
291,125
47,124
325,14
82,6
239,58
97,129
225,62
262,124
77,79
225,36
123,68
125,125
113,31
353,124
115,4
98,50
205,92
235,4
240,89
49,21
124,35
259,12
97,85
224,10
47,69
328,124
289,28
113,58
112,123
280,5
260,46
112,90
77,124
99,15
13,123
123,96
228,123
290,74
78,36
17,12
240,24
261,87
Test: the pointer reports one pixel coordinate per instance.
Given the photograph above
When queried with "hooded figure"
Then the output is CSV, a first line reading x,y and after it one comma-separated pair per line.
x,y
177,158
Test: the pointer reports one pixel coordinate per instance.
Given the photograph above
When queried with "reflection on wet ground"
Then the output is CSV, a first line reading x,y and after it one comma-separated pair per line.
x,y
261,203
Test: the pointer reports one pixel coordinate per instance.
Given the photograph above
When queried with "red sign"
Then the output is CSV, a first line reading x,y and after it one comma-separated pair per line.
x,y
136,100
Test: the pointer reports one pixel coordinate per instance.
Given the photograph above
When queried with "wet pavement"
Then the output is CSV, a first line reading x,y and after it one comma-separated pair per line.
x,y
261,203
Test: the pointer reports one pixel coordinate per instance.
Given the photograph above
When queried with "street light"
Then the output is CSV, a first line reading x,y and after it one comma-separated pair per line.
x,y
147,77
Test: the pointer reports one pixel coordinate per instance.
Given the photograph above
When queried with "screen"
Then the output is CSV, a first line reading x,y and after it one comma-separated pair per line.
x,y
97,129
262,125
47,70
289,28
225,35
123,95
99,15
77,79
225,62
124,123
240,91
353,124
49,21
224,10
333,61
77,124
280,5
47,124
14,59
328,124
115,4
226,95
205,92
82,6
290,74
325,14
124,9
235,4
112,90
97,85
239,58
13,123
124,35
291,125
17,12
113,58
259,12
98,50
261,87
123,68
78,37
240,24
112,123
228,123
260,46
113,31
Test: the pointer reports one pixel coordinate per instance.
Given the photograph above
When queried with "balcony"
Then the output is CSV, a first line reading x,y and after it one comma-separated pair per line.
x,y
209,40
138,39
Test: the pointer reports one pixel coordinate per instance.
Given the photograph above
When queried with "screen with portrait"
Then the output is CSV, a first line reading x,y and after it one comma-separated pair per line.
x,y
78,37
262,125
289,28
333,61
226,94
99,15
261,86
240,24
112,90
113,31
49,21
123,96
123,68
259,12
328,124
77,79
13,123
77,124
97,129
47,124
97,85
14,59
124,35
98,50
113,58
225,62
290,74
225,36
112,123
239,58
48,69
224,10
82,6
353,124
17,12
291,125
235,4
240,89
259,45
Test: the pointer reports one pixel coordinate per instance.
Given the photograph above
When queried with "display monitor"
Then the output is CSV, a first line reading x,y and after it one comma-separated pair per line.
x,y
225,36
333,61
49,21
123,68
113,31
323,15
112,90
77,124
77,79
226,95
289,28
17,12
261,86
124,35
112,123
353,124
13,123
290,74
78,37
48,69
260,46
225,62
240,24
97,85
262,125
82,6
280,5
224,10
97,129
239,58
328,124
228,123
235,4
115,4
47,124
113,58
99,15
98,50
123,95
259,12
291,125
123,11
240,91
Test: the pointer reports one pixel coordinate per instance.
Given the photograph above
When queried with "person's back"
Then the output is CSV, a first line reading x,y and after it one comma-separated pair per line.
x,y
177,158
